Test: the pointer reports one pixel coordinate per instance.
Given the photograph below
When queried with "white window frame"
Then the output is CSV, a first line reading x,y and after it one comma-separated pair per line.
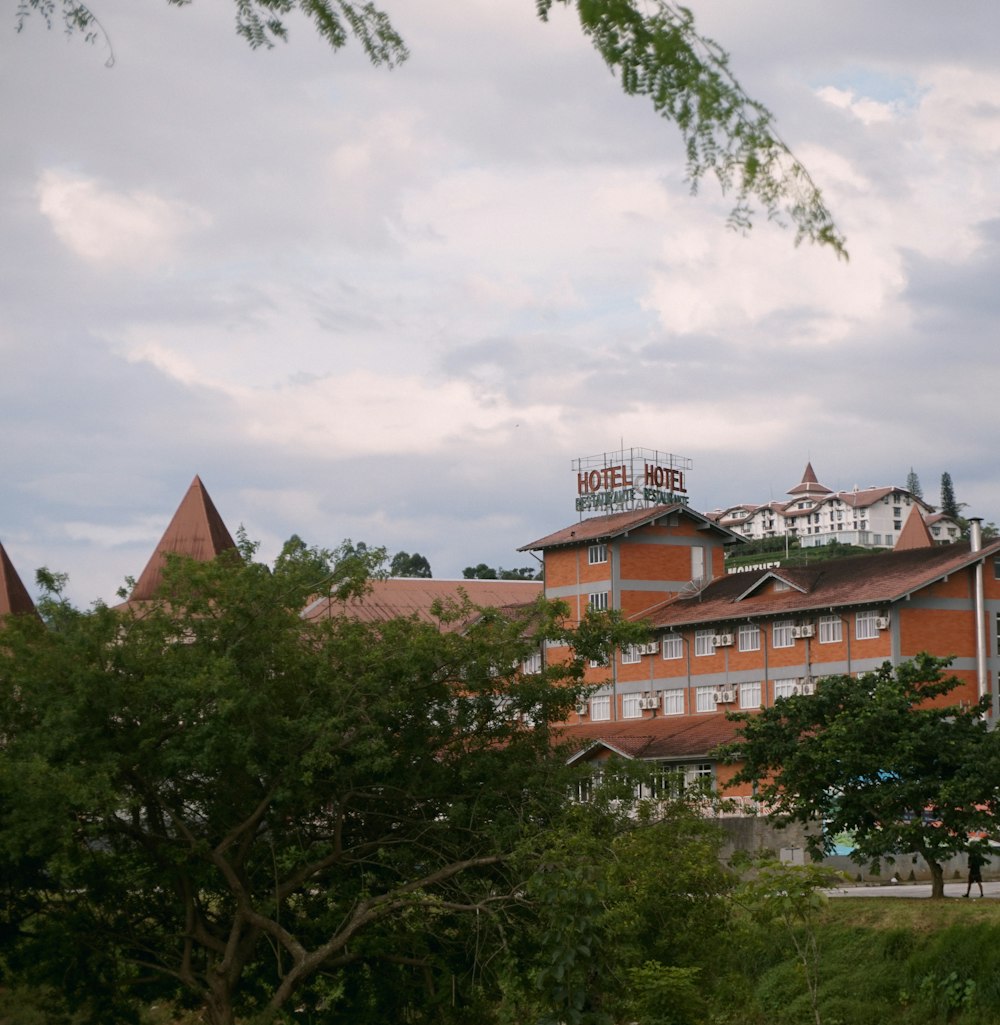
x,y
751,694
704,700
865,628
532,665
748,637
673,701
785,688
600,708
597,601
831,630
596,554
781,633
703,642
631,655
630,706
672,646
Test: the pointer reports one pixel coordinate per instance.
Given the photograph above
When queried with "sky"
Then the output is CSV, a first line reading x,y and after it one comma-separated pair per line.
x,y
394,305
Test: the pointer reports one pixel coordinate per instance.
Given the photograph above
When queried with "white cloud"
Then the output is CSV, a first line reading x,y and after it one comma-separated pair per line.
x,y
112,228
865,109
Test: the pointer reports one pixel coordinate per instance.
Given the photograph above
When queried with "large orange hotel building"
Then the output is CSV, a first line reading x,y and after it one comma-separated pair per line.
x,y
743,640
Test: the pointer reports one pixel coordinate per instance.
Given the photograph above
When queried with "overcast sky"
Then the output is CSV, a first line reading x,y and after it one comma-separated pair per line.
x,y
394,305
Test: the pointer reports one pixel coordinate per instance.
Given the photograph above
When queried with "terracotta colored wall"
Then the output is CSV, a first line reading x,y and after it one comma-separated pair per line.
x,y
937,631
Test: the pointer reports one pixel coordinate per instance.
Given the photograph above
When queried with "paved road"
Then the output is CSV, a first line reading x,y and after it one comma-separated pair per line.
x,y
954,889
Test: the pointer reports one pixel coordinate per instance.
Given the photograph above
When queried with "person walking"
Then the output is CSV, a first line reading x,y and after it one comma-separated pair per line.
x,y
976,860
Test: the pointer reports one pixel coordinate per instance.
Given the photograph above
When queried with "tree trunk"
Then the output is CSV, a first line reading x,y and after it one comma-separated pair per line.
x,y
219,1003
937,878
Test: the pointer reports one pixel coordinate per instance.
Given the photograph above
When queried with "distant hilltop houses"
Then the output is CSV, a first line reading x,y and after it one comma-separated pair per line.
x,y
815,515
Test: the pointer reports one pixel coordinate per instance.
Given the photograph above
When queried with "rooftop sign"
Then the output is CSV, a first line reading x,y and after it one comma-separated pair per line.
x,y
631,478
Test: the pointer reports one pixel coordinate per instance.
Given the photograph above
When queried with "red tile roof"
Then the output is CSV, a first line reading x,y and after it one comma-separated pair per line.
x,y
602,528
666,737
415,596
196,531
833,583
14,597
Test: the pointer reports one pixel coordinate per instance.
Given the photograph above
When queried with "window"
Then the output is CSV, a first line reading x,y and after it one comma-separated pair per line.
x,y
781,634
865,625
673,646
598,601
704,699
750,695
630,706
596,554
785,688
673,702
598,663
532,665
630,655
830,630
704,643
600,708
749,637
697,562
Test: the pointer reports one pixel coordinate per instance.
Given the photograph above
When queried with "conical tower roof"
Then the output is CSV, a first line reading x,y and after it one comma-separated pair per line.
x,y
809,484
196,531
14,597
914,533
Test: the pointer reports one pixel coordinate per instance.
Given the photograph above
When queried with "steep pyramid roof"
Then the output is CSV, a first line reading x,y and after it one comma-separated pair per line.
x,y
14,597
196,531
809,485
914,533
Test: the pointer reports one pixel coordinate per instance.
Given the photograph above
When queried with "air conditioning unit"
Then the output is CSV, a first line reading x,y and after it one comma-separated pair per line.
x,y
649,704
806,630
882,623
723,697
649,649
722,640
581,709
807,687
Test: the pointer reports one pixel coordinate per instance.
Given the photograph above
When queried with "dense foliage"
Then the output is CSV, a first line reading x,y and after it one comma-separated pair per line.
x,y
211,800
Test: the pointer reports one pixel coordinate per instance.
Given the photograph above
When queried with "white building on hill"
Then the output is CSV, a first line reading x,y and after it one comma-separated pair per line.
x,y
816,515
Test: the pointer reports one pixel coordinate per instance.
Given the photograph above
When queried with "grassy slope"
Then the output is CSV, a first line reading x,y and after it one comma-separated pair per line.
x,y
882,962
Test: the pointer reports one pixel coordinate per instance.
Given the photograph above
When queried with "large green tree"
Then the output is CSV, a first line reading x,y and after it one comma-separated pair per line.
x,y
652,46
949,505
878,757
210,800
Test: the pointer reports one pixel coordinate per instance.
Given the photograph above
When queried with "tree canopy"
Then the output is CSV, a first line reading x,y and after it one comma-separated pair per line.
x,y
913,484
211,800
880,758
484,572
949,505
654,49
405,565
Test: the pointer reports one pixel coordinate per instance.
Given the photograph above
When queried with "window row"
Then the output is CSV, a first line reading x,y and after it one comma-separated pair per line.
x,y
746,695
868,624
784,633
